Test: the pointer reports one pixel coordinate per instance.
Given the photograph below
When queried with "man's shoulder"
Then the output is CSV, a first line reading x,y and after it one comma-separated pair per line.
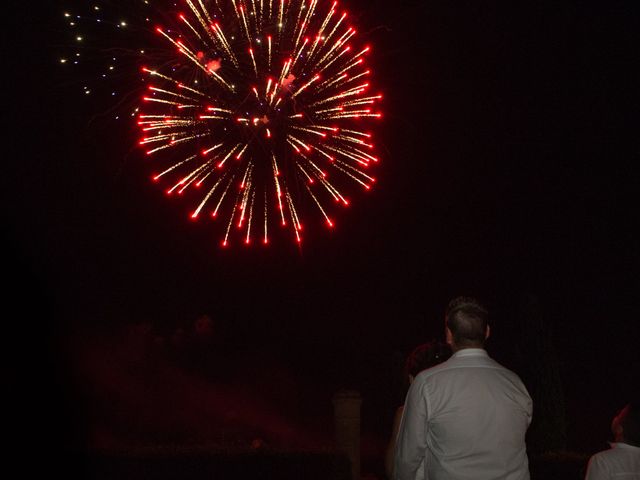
x,y
465,361
603,454
602,460
460,364
598,464
619,450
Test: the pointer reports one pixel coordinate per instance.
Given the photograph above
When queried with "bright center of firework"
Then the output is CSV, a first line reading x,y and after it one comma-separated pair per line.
x,y
267,110
272,96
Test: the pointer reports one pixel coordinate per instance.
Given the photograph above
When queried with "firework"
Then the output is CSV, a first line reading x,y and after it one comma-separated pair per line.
x,y
258,111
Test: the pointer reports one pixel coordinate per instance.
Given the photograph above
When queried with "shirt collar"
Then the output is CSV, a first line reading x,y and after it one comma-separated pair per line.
x,y
471,352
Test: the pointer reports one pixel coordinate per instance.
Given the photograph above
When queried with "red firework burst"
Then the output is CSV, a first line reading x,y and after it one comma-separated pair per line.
x,y
263,109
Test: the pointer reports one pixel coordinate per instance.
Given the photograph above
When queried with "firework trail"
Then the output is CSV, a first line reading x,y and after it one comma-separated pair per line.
x,y
259,111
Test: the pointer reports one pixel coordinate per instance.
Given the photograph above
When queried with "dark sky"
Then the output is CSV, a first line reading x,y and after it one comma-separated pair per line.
x,y
510,167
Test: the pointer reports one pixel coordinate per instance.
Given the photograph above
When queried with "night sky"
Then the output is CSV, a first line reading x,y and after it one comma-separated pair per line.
x,y
509,172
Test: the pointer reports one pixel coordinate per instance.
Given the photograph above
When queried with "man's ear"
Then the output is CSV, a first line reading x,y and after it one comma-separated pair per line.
x,y
488,332
449,336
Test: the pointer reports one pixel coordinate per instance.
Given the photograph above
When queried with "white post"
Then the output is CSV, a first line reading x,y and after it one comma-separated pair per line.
x,y
346,406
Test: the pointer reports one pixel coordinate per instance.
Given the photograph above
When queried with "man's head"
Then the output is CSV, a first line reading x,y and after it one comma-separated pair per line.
x,y
626,425
466,323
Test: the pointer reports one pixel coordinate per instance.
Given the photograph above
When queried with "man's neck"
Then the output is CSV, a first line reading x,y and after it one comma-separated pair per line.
x,y
455,348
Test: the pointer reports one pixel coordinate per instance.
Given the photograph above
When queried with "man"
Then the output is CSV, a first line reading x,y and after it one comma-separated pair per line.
x,y
467,417
622,460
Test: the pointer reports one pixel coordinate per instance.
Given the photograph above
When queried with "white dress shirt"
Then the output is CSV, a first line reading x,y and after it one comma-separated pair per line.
x,y
620,462
466,419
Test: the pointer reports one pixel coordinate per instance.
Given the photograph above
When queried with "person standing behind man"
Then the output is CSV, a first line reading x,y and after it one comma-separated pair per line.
x,y
467,417
422,357
622,460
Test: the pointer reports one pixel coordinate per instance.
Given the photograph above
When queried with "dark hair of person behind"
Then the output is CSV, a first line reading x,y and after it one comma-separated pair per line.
x,y
425,356
631,424
467,320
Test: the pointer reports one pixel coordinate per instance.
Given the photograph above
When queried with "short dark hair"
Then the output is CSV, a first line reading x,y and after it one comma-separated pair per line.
x,y
467,318
425,356
630,422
